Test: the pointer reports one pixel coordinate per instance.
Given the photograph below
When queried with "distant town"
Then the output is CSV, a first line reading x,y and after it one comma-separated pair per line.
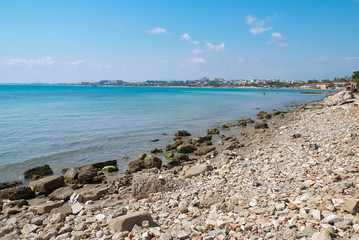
x,y
336,83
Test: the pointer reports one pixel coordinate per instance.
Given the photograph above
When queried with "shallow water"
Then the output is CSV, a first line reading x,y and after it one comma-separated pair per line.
x,y
66,126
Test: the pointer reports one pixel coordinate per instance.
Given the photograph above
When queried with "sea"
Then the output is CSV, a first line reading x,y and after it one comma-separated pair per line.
x,y
66,126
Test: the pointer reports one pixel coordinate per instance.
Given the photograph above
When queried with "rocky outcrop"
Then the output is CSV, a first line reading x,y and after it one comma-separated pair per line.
x,y
17,193
339,99
47,184
38,172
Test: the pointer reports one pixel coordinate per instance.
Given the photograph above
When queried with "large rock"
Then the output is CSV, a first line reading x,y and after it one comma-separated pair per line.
x,y
177,160
92,194
182,133
339,99
88,174
100,165
47,207
213,131
148,162
37,172
17,193
261,125
128,221
9,184
71,174
204,150
47,184
186,148
63,193
351,205
15,206
148,181
196,170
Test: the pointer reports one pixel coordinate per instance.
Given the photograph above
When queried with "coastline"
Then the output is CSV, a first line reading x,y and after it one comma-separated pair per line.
x,y
233,191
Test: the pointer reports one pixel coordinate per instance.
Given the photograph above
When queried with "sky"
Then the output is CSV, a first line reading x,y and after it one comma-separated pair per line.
x,y
72,41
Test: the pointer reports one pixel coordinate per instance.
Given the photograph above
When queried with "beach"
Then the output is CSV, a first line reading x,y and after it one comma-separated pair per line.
x,y
290,175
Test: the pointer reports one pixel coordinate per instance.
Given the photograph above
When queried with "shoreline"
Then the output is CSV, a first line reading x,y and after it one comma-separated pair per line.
x,y
234,153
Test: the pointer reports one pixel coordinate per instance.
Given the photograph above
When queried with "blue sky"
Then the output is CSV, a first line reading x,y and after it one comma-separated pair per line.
x,y
71,41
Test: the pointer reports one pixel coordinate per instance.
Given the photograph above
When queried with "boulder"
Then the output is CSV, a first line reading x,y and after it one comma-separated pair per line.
x,y
71,174
248,120
9,184
204,150
135,166
213,131
47,207
109,169
182,133
63,193
148,181
47,184
196,170
228,125
351,205
261,125
128,221
17,193
37,172
177,160
186,148
152,162
88,174
242,123
100,165
92,194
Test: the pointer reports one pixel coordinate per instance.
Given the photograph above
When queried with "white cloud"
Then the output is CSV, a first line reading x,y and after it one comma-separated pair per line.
x,y
187,37
351,58
99,66
197,60
76,63
253,21
250,19
259,30
258,59
241,60
47,61
277,40
216,48
197,51
158,30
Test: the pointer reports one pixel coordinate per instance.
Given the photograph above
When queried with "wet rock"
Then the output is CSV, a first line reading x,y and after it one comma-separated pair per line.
x,y
47,184
17,193
196,170
152,162
109,169
156,150
88,174
128,221
213,131
182,133
228,125
248,120
242,123
38,172
101,165
71,174
9,184
186,148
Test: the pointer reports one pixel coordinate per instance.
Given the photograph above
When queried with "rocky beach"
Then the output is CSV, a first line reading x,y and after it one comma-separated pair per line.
x,y
284,175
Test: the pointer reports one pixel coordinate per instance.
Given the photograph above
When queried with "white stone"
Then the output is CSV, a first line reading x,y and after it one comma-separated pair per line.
x,y
76,208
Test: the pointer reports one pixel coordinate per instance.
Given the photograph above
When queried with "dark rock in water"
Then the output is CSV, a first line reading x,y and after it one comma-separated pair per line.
x,y
9,184
47,184
164,134
169,155
261,125
63,193
109,169
313,146
38,172
213,131
242,123
17,193
186,148
262,115
156,150
248,120
142,156
155,140
228,125
204,150
182,133
88,174
100,165
153,162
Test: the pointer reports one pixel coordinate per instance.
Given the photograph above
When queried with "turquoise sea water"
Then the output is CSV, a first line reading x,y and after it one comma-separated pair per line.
x,y
66,126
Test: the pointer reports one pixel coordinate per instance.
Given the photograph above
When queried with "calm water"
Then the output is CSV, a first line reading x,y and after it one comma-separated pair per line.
x,y
72,126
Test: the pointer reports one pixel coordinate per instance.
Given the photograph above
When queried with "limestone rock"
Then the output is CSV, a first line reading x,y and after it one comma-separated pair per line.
x,y
63,193
47,207
128,221
47,184
71,174
351,205
196,170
